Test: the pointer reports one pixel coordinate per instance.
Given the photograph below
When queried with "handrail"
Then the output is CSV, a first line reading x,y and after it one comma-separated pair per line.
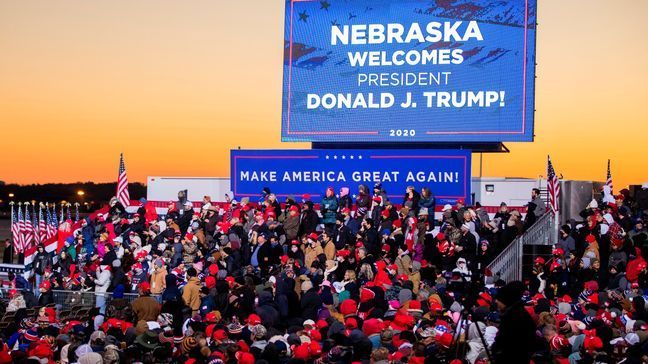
x,y
540,233
508,264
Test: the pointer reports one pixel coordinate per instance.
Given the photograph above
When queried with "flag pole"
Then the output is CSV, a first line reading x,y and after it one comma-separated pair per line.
x,y
557,222
13,243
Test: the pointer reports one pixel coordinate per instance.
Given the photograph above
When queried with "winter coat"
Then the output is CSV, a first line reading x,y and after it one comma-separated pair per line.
x,y
16,303
343,236
267,310
345,202
412,202
540,208
189,251
329,250
207,304
191,294
145,308
103,280
363,201
158,280
311,255
415,278
291,226
177,254
328,208
404,262
517,327
310,304
309,220
46,298
42,260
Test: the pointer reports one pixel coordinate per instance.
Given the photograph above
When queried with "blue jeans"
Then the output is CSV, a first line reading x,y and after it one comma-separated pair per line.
x,y
39,280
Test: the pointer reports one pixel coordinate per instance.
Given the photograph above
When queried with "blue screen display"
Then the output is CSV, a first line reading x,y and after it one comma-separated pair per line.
x,y
297,172
420,71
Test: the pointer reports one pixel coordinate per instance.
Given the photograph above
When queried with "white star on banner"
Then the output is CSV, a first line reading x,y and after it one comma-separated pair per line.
x,y
335,157
327,157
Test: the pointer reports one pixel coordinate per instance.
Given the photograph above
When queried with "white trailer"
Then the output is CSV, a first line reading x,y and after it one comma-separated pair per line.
x,y
160,190
515,192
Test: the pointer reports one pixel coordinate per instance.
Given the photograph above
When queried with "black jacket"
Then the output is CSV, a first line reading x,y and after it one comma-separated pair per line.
x,y
46,298
109,257
516,327
267,310
41,261
310,304
343,237
308,220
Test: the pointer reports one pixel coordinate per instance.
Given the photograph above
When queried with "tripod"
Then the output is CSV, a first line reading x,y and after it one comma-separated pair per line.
x,y
463,320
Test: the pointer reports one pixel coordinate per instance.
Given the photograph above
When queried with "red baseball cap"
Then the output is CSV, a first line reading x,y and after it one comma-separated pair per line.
x,y
254,319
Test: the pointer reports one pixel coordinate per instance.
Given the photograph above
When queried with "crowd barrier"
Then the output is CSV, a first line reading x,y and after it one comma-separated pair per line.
x,y
67,299
508,264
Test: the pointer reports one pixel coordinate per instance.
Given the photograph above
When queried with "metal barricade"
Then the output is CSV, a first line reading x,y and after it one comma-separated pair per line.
x,y
68,299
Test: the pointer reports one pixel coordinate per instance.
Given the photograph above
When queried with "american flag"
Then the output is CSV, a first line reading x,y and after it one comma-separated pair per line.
x,y
29,230
16,232
52,224
42,226
553,186
122,183
21,225
608,182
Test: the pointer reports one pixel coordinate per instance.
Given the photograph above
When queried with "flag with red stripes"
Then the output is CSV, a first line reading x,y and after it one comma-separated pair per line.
x,y
21,225
553,187
608,181
28,233
122,183
42,226
16,233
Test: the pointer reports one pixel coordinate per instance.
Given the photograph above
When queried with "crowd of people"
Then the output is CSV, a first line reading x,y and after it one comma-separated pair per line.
x,y
352,279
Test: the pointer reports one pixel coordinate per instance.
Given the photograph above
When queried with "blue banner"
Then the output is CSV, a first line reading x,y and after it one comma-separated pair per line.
x,y
297,172
409,70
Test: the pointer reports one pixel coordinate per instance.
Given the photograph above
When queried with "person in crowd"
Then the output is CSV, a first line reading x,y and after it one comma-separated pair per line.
x,y
7,253
539,206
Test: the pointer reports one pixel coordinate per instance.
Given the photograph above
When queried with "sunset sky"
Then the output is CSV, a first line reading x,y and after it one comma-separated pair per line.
x,y
176,84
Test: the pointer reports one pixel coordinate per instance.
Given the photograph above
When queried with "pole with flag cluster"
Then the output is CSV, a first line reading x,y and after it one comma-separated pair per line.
x,y
553,188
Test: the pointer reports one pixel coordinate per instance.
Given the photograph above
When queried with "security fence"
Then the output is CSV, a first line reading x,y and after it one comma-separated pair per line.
x,y
67,299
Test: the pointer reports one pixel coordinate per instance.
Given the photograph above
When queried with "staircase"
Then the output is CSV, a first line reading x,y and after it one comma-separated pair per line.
x,y
512,261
